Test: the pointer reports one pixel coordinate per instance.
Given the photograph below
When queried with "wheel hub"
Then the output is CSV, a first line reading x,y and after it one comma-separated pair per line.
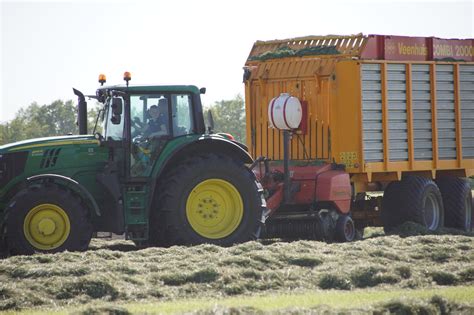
x,y
46,226
431,212
214,208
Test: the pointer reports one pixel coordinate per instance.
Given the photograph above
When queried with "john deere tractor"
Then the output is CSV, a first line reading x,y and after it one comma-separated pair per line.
x,y
182,185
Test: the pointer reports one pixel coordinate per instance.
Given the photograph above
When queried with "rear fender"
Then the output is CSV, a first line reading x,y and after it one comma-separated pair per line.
x,y
205,144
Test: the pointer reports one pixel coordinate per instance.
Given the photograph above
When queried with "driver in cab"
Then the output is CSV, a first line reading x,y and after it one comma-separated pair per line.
x,y
158,123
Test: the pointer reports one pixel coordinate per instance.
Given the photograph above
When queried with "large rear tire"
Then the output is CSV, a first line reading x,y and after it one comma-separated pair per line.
x,y
207,199
47,219
457,200
415,199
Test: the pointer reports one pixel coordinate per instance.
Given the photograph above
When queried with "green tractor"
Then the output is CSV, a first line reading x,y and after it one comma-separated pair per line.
x,y
156,175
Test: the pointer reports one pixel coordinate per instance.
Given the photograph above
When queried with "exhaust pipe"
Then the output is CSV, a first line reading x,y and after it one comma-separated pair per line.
x,y
81,112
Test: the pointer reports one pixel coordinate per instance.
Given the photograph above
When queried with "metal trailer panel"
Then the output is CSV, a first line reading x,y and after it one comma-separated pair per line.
x,y
371,78
298,78
379,118
421,107
426,121
445,112
467,109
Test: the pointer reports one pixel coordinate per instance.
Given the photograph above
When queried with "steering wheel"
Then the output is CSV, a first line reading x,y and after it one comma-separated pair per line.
x,y
137,127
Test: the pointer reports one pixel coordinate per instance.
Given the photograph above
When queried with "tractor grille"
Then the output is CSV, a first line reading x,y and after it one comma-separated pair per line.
x,y
11,165
50,157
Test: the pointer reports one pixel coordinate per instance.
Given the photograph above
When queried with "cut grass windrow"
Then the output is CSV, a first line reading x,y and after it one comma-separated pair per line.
x,y
118,273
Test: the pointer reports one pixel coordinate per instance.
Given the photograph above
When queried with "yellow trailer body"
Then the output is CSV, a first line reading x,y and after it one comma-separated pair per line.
x,y
383,109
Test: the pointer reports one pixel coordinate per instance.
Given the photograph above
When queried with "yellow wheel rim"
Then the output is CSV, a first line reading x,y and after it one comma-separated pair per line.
x,y
46,226
214,208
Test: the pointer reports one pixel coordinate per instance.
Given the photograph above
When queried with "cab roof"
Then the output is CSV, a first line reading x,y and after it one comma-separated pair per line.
x,y
153,88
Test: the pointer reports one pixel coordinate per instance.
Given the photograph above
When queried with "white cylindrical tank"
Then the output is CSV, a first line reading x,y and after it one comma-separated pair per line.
x,y
284,112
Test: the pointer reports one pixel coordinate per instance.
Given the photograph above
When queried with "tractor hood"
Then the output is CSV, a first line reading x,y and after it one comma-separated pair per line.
x,y
48,142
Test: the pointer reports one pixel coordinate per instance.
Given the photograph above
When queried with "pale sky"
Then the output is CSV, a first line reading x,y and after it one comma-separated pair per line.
x,y
48,47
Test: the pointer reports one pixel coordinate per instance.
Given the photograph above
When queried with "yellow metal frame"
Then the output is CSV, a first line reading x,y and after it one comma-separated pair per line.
x,y
331,85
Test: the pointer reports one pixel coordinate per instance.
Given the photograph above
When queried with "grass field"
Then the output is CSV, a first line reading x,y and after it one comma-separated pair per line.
x,y
428,273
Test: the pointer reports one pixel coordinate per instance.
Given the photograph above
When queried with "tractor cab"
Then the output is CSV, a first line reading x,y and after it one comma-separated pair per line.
x,y
146,119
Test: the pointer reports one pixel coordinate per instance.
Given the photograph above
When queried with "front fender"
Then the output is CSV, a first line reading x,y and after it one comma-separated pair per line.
x,y
69,183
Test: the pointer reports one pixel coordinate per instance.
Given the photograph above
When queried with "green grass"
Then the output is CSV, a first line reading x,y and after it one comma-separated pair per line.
x,y
335,300
116,273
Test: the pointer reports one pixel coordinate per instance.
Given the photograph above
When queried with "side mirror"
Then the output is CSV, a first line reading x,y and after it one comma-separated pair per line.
x,y
117,108
116,119
210,120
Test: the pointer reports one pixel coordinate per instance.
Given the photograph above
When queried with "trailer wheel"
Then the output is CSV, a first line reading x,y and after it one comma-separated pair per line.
x,y
415,199
46,219
457,201
207,199
345,229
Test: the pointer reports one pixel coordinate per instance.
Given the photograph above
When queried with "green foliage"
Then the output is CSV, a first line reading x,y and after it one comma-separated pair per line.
x,y
229,117
35,121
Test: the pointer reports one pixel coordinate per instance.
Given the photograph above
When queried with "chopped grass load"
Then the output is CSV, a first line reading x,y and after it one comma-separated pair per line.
x,y
117,272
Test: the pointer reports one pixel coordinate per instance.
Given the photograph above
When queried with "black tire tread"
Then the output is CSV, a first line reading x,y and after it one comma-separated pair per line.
x,y
454,191
16,246
402,202
165,226
340,234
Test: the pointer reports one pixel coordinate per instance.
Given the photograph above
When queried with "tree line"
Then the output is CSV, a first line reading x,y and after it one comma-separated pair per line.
x,y
59,118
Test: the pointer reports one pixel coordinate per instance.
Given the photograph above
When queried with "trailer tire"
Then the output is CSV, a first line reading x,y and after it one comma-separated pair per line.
x,y
207,199
457,201
47,218
345,229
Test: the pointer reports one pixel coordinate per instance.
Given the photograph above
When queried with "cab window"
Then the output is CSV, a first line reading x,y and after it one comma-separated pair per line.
x,y
182,114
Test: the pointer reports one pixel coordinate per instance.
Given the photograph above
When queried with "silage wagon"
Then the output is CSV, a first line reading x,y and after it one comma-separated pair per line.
x,y
391,114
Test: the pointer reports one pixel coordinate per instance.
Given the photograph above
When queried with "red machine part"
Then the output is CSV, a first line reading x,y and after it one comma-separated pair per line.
x,y
335,186
387,47
316,183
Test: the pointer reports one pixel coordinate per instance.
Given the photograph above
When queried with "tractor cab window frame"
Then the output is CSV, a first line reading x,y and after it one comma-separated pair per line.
x,y
115,132
148,138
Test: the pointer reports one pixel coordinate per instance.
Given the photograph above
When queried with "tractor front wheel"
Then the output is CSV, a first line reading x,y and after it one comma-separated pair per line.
x,y
207,199
46,218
